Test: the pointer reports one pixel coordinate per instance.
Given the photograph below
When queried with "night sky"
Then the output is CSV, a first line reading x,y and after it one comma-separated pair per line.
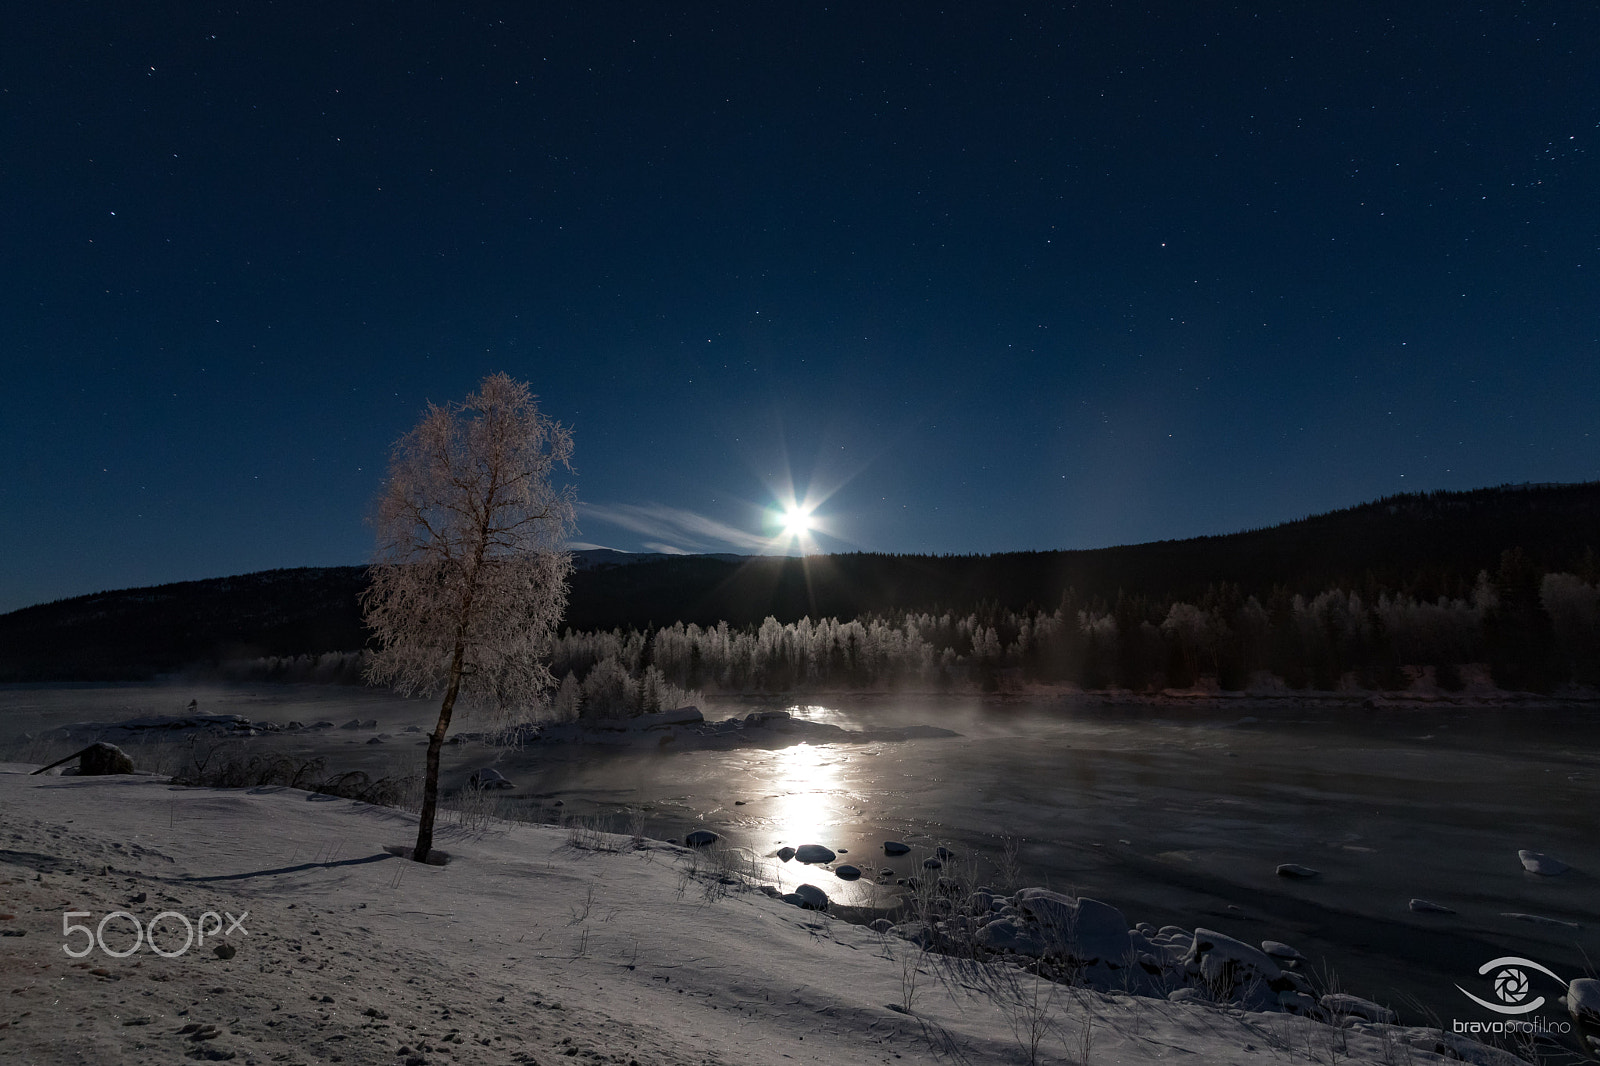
x,y
977,279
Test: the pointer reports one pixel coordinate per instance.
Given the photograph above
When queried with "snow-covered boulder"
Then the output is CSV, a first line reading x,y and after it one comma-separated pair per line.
x,y
104,758
814,853
1233,970
1295,870
1342,1003
1281,952
1427,906
1013,934
1296,1002
1583,1003
980,902
1085,929
1544,865
488,777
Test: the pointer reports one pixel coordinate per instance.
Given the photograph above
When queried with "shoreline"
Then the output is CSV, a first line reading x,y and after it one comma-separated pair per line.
x,y
532,942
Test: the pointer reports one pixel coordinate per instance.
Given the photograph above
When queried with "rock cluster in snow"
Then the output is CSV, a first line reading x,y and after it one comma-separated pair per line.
x,y
153,726
1092,943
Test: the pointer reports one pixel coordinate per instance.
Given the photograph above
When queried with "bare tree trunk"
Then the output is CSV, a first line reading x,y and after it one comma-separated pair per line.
x,y
430,780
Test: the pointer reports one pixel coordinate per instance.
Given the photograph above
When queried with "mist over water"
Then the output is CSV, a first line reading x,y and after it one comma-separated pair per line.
x,y
1181,815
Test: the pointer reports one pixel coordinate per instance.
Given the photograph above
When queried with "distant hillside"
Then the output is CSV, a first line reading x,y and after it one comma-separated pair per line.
x,y
1424,545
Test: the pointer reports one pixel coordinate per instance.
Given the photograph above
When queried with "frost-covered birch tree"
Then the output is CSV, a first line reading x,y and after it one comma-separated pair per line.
x,y
469,578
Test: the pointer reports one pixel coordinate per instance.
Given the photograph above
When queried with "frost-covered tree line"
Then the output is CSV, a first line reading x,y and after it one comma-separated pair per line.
x,y
1532,636
1534,630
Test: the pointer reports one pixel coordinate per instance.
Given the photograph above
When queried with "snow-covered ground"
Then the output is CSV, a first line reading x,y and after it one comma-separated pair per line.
x,y
534,944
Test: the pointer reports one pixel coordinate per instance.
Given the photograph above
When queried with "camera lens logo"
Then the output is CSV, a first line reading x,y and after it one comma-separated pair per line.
x,y
1511,985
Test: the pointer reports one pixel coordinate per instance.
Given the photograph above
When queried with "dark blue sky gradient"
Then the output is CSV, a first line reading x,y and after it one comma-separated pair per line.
x,y
991,280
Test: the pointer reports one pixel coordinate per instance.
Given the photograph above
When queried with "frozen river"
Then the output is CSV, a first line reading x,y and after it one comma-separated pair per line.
x,y
1175,814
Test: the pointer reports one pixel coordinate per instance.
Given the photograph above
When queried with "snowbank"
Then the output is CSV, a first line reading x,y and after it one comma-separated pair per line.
x,y
533,944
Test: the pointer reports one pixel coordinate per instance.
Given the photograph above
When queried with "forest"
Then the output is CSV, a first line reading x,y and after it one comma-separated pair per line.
x,y
1380,597
1535,632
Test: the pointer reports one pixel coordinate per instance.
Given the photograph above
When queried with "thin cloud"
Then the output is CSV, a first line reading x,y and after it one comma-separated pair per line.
x,y
666,549
695,532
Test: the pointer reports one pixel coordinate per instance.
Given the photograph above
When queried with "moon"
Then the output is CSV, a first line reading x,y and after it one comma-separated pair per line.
x,y
796,523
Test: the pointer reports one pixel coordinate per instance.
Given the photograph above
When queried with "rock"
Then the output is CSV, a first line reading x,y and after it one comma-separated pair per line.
x,y
354,723
1356,1007
932,864
813,853
980,902
812,897
1295,870
786,854
1234,969
761,718
488,777
1298,981
942,852
1583,1003
771,890
375,740
1186,995
295,725
1539,919
321,725
370,723
1296,1002
412,729
225,951
1426,906
1280,951
1013,934
701,838
894,847
847,872
1536,863
1089,931
104,758
918,933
